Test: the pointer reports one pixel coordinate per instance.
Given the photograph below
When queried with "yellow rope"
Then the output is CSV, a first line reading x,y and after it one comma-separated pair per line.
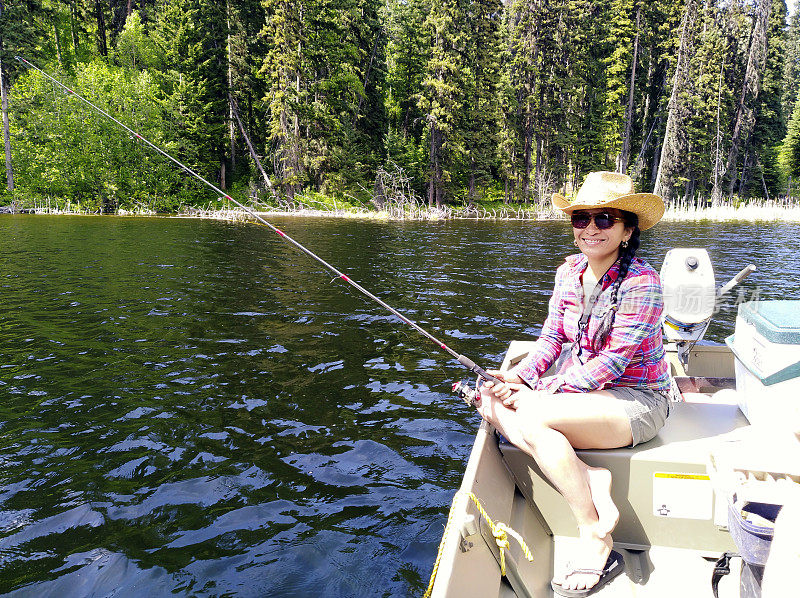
x,y
500,531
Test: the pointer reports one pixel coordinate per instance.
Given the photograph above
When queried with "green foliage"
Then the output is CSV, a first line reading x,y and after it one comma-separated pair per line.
x,y
135,48
470,98
64,149
193,36
19,33
791,73
326,68
790,150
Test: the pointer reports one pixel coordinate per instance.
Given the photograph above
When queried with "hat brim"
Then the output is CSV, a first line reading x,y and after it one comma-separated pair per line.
x,y
647,206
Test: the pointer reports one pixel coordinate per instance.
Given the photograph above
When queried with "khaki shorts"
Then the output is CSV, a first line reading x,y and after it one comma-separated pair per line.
x,y
647,410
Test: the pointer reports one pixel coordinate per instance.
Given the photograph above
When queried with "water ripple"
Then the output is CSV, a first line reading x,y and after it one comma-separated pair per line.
x,y
192,408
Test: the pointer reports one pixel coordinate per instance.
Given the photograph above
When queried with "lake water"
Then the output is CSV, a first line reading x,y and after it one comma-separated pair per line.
x,y
195,408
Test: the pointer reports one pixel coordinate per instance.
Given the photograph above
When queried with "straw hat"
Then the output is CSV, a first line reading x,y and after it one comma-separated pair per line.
x,y
613,190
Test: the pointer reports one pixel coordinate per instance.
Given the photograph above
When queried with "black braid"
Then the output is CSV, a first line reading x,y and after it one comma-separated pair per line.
x,y
626,255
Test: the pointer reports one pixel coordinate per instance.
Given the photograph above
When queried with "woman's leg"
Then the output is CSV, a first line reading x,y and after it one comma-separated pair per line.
x,y
547,428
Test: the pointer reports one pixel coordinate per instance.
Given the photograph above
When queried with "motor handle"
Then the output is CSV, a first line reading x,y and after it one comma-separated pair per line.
x,y
736,280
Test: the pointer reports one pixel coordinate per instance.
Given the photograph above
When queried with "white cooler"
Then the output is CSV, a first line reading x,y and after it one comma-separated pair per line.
x,y
766,344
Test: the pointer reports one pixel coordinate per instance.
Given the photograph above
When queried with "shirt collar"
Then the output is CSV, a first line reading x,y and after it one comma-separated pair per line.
x,y
579,262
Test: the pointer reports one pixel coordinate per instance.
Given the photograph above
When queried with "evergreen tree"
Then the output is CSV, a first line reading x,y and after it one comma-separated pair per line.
x,y
193,34
674,145
522,78
443,97
245,50
745,109
407,50
482,79
623,39
706,98
790,151
17,35
762,173
791,73
284,68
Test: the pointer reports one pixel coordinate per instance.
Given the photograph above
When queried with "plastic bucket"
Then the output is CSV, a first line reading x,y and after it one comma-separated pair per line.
x,y
753,540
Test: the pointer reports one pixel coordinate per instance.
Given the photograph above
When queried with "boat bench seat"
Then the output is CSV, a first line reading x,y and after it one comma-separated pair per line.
x,y
671,503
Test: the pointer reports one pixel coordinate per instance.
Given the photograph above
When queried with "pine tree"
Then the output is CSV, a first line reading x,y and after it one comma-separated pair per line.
x,y
443,96
283,67
17,34
407,52
245,50
620,74
790,150
525,19
193,33
791,73
706,98
674,144
482,79
762,174
745,109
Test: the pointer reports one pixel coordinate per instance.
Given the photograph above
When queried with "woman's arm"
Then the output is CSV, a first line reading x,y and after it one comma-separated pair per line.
x,y
547,348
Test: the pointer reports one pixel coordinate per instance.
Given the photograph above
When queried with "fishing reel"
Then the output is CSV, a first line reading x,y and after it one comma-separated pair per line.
x,y
469,394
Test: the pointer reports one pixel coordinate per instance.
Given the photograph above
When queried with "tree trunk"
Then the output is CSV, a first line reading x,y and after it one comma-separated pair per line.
x,y
472,182
366,75
718,138
57,38
253,154
231,128
432,167
528,151
102,44
73,31
745,111
6,129
670,151
624,157
539,167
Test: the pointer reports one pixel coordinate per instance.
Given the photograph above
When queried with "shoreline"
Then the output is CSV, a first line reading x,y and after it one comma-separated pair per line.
x,y
724,213
764,212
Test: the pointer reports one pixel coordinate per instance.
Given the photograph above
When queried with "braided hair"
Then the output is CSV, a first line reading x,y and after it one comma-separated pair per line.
x,y
626,255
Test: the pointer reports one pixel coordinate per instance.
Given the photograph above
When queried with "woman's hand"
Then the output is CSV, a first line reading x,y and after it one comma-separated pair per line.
x,y
506,389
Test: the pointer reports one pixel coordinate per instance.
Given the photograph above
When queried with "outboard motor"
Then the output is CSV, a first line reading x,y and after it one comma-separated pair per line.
x,y
690,296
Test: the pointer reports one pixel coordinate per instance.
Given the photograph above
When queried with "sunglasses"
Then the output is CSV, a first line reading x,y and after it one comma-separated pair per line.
x,y
603,220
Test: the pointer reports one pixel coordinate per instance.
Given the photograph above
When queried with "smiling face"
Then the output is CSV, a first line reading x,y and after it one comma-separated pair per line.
x,y
601,246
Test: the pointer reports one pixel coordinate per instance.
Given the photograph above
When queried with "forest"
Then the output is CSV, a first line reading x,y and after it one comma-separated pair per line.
x,y
446,102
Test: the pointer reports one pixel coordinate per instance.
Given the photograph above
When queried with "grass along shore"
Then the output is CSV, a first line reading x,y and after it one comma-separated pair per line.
x,y
753,211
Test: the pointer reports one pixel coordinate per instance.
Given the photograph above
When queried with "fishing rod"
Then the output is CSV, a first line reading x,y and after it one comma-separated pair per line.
x,y
461,389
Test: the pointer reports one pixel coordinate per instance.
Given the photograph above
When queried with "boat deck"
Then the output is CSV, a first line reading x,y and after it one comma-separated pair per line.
x,y
672,527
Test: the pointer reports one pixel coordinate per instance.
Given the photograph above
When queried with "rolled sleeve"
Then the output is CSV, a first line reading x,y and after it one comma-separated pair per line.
x,y
547,348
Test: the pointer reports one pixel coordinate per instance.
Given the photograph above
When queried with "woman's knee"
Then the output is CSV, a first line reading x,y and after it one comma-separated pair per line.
x,y
538,415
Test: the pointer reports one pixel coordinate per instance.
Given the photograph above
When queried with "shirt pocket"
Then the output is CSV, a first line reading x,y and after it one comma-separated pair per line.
x,y
602,305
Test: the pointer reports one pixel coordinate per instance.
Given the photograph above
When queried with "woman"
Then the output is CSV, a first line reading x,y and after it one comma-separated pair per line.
x,y
613,390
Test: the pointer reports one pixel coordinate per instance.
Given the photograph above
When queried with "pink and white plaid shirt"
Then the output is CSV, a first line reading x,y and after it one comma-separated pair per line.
x,y
633,354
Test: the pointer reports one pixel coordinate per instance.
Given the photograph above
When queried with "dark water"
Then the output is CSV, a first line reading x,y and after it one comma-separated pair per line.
x,y
194,408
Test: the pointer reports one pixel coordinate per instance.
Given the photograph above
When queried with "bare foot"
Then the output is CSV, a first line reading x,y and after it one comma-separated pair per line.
x,y
600,487
592,554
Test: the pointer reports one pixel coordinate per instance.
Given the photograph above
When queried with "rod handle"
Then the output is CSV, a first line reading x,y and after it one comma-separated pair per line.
x,y
473,367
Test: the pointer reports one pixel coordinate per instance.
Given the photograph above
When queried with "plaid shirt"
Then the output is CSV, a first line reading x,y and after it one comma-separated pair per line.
x,y
633,354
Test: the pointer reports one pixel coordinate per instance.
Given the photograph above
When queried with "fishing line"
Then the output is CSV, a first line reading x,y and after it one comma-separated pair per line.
x,y
463,360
